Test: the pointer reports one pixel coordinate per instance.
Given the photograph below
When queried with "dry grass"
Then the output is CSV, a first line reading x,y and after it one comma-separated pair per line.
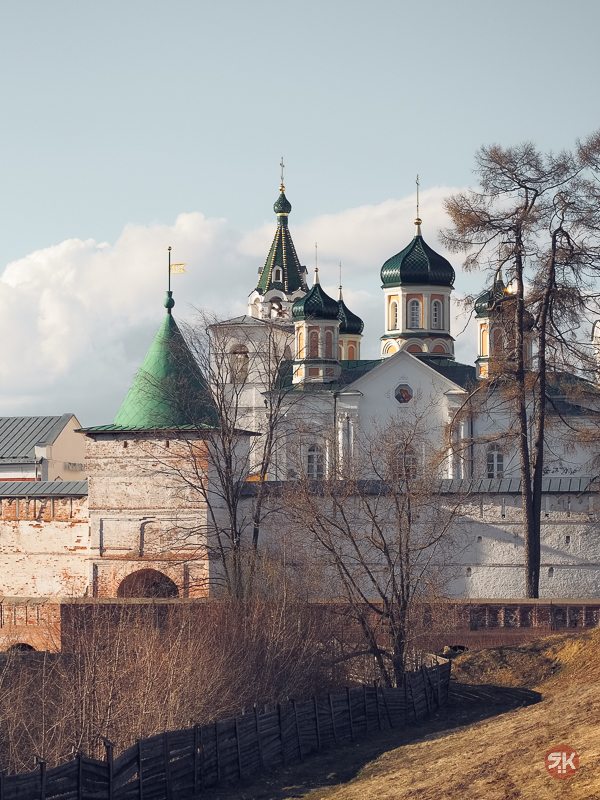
x,y
489,755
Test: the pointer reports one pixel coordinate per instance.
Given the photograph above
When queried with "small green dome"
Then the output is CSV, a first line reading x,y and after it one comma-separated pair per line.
x,y
349,322
417,264
282,205
485,302
316,304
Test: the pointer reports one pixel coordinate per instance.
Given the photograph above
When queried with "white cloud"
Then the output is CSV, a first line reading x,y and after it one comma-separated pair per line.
x,y
77,318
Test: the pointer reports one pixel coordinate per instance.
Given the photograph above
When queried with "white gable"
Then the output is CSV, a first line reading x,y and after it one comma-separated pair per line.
x,y
401,383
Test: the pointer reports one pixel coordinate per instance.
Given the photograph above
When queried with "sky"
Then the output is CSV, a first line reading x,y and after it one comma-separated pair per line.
x,y
130,126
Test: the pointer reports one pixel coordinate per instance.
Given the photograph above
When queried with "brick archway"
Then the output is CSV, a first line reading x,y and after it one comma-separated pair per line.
x,y
147,583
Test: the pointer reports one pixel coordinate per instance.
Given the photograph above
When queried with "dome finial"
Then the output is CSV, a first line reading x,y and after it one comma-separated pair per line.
x,y
341,298
169,302
316,264
282,206
418,220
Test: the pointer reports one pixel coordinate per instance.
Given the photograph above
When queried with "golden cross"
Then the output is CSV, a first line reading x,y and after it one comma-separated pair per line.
x,y
417,182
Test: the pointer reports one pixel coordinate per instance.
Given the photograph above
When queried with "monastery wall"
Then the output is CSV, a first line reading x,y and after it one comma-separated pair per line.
x,y
483,553
491,564
142,515
44,546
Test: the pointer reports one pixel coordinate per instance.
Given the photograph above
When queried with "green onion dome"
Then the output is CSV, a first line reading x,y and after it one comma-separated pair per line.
x,y
315,304
349,323
417,264
485,302
282,205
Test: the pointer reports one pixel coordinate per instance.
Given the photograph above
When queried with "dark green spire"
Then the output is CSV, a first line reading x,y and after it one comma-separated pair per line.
x,y
169,391
282,269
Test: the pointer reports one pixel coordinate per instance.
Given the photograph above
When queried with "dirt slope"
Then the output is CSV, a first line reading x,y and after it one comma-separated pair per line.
x,y
484,746
503,757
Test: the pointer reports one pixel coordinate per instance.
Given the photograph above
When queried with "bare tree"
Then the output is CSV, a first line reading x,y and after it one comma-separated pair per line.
x,y
380,534
536,215
231,436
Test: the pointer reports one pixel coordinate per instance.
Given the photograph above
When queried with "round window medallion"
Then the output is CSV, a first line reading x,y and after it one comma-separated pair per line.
x,y
403,393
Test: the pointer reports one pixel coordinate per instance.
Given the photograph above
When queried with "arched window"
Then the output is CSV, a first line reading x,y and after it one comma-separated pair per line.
x,y
351,355
437,320
497,341
21,647
301,344
315,463
414,314
484,341
495,462
404,463
277,278
238,363
314,344
328,344
410,463
341,351
393,316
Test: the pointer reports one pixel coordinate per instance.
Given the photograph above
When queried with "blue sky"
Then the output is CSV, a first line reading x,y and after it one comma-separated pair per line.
x,y
119,117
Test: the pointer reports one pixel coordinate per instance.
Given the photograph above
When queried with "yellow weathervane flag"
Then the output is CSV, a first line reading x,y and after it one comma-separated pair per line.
x,y
177,268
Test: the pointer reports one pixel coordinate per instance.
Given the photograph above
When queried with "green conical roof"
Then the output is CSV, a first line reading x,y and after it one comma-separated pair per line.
x,y
169,391
282,254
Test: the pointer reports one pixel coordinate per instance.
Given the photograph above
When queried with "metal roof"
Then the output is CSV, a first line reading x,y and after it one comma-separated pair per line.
x,y
43,488
575,484
19,435
558,485
169,391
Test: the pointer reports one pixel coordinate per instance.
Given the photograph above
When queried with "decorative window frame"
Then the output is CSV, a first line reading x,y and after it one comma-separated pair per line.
x,y
494,461
437,324
415,314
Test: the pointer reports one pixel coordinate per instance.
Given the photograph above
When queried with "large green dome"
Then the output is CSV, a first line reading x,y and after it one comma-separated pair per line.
x,y
417,264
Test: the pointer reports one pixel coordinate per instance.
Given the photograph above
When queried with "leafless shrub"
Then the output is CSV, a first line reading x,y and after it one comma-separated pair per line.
x,y
133,669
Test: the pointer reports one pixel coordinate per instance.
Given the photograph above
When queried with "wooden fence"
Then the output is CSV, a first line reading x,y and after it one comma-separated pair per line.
x,y
180,764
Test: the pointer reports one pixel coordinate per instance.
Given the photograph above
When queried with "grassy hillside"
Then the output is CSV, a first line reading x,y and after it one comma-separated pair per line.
x,y
473,750
503,757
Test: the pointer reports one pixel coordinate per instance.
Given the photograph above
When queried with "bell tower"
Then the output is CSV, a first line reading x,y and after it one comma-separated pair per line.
x,y
417,284
282,279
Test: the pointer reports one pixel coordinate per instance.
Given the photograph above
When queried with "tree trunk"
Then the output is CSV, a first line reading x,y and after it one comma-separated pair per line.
x,y
531,531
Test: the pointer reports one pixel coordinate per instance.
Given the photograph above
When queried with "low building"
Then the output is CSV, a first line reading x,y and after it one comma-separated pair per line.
x,y
41,449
